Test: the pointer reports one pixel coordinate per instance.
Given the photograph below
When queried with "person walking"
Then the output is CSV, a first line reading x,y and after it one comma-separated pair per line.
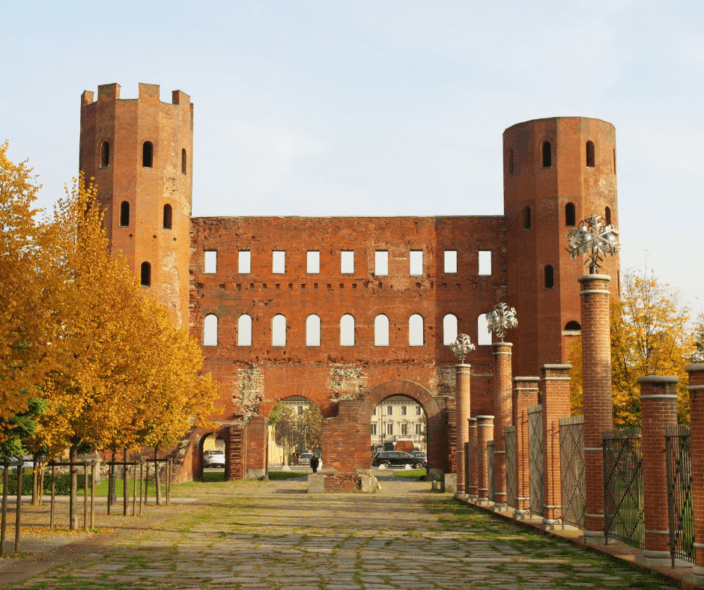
x,y
314,462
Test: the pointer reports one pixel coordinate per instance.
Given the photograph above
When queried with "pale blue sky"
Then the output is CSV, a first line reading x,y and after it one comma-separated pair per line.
x,y
380,107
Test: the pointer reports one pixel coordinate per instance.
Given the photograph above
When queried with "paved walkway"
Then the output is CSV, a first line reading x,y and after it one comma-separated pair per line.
x,y
273,535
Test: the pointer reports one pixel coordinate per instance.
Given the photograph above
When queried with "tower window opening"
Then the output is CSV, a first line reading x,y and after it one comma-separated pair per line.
x,y
147,154
485,263
381,330
210,262
570,214
104,154
313,330
244,330
547,154
449,329
607,215
415,330
590,154
526,217
572,326
124,214
146,274
549,277
347,330
167,216
184,162
510,162
210,330
278,330
484,335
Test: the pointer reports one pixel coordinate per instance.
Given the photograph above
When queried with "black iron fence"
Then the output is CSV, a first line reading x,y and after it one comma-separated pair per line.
x,y
623,486
510,436
535,458
679,493
490,470
572,478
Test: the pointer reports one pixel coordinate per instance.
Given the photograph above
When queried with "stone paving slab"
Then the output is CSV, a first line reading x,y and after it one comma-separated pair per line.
x,y
273,536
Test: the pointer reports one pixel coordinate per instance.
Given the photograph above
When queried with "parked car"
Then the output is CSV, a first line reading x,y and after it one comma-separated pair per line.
x,y
420,455
305,458
213,459
397,458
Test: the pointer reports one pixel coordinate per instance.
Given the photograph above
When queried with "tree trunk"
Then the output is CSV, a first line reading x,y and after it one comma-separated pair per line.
x,y
156,476
73,517
113,492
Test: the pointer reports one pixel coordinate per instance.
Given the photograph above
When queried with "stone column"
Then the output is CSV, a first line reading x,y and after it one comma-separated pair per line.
x,y
503,411
472,460
556,405
525,395
696,419
485,433
658,408
596,369
462,401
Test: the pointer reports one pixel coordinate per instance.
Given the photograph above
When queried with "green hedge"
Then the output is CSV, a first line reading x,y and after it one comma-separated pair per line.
x,y
61,486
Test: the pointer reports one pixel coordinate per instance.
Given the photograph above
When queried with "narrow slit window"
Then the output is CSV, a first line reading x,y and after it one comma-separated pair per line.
x,y
510,162
124,214
147,154
526,217
450,261
347,262
607,215
547,154
416,263
549,277
313,262
104,154
614,161
146,274
449,329
381,330
167,216
244,330
278,330
347,330
590,154
381,263
244,262
210,265
210,330
483,333
278,262
485,262
184,162
570,216
313,330
415,330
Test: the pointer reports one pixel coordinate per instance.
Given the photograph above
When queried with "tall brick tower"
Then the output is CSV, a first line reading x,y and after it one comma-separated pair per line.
x,y
556,172
140,153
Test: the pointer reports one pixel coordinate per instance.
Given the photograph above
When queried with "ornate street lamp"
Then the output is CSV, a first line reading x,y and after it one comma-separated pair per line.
x,y
593,237
462,347
501,319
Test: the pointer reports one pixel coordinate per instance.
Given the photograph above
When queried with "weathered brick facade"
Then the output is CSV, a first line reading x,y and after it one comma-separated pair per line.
x,y
346,381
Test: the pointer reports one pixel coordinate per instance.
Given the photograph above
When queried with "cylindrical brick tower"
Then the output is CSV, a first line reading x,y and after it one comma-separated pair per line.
x,y
556,172
140,153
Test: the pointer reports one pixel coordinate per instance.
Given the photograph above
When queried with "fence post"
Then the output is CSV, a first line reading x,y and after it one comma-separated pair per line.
x,y
3,526
556,405
485,433
472,463
503,413
463,401
598,406
696,413
525,396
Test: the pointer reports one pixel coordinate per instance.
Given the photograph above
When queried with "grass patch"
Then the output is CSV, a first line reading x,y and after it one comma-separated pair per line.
x,y
411,474
281,475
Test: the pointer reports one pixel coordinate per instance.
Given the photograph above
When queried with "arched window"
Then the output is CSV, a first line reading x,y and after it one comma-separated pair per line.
x,y
381,330
590,154
526,217
146,274
570,214
415,330
124,214
210,330
483,333
147,154
278,331
347,330
244,330
313,330
510,162
607,215
104,154
449,329
184,162
572,326
547,154
167,216
549,277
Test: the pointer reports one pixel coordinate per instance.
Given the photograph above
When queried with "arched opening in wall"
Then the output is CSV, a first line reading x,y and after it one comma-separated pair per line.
x,y
146,274
483,333
347,330
449,329
184,162
399,434
295,434
104,154
124,214
547,154
607,215
572,326
526,217
570,215
278,330
549,277
510,162
313,330
590,154
415,330
147,154
381,330
167,216
210,330
212,448
244,330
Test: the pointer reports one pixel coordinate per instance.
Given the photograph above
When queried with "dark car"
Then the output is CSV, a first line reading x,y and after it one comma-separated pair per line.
x,y
397,458
420,455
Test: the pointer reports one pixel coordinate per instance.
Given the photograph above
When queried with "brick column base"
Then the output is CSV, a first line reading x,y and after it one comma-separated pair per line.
x,y
525,395
696,419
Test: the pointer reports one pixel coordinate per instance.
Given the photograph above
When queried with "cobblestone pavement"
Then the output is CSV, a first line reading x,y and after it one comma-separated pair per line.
x,y
273,535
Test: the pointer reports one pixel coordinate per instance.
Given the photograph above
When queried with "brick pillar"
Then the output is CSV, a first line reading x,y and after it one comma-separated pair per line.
x,y
556,405
462,408
485,433
658,408
472,462
503,411
696,419
525,394
598,412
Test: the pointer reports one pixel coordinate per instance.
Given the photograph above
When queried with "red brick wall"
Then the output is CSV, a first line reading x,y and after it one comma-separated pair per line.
x,y
696,417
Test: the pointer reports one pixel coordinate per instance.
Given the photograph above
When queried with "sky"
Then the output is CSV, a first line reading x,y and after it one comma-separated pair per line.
x,y
391,107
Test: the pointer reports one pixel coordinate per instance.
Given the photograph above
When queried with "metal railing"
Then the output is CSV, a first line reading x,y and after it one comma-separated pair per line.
x,y
572,478
510,436
535,458
679,493
623,486
491,488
